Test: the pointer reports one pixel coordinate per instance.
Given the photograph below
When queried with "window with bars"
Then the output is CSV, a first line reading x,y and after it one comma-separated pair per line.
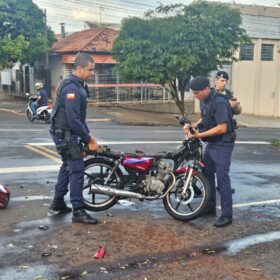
x,y
267,52
246,52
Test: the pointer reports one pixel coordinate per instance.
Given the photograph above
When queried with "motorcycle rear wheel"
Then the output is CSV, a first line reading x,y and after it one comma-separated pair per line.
x,y
46,117
96,171
192,205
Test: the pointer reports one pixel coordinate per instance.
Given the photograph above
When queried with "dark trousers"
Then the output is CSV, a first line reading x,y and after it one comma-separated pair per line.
x,y
71,173
217,160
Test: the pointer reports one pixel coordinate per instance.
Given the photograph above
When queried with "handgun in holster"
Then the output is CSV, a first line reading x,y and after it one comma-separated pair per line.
x,y
72,151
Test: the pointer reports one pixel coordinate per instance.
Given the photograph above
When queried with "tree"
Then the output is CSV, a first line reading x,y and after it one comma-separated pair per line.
x,y
174,43
23,34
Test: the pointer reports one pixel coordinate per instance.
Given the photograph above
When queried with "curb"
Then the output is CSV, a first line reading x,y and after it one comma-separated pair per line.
x,y
11,111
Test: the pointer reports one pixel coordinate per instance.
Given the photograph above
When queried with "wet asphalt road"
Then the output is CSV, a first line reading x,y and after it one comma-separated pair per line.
x,y
254,172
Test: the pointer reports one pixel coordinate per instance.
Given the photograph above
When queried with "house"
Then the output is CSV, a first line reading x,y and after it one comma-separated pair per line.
x,y
97,41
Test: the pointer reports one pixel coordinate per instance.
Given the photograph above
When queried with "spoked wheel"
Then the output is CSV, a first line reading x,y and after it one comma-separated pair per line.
x,y
189,206
29,116
97,171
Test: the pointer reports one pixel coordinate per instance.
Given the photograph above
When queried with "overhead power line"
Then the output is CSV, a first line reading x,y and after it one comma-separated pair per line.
x,y
78,3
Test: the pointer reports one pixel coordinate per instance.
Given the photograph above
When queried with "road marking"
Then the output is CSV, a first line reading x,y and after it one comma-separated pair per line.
x,y
253,142
21,130
46,152
52,152
151,142
255,203
29,198
98,120
30,169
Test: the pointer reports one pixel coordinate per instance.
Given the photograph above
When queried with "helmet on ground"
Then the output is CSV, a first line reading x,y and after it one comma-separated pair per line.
x,y
4,196
39,85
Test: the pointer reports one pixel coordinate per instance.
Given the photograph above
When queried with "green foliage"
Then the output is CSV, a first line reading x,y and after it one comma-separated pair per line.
x,y
11,50
23,20
276,142
176,42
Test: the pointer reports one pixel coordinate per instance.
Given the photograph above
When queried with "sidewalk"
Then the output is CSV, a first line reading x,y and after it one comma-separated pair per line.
x,y
127,116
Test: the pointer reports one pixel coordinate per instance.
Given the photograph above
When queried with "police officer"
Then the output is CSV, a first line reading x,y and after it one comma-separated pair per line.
x,y
215,128
69,129
221,81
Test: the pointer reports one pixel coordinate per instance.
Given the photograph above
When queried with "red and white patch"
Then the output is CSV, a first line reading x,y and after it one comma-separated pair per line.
x,y
70,96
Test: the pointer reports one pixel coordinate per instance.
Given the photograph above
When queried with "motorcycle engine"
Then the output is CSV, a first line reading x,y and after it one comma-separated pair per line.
x,y
155,182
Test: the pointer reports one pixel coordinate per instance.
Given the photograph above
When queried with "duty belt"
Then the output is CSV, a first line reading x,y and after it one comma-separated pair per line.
x,y
61,133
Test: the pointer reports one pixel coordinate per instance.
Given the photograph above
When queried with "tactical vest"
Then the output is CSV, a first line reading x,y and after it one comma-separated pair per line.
x,y
208,121
58,116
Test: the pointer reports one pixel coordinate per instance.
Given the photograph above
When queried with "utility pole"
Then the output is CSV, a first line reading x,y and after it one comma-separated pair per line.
x,y
46,35
100,11
47,71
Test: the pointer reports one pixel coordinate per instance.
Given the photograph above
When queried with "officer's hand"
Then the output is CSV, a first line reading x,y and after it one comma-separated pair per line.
x,y
186,128
233,103
92,145
189,131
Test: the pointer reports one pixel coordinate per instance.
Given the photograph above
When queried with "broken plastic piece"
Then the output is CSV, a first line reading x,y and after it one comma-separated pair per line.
x,y
43,227
48,253
101,253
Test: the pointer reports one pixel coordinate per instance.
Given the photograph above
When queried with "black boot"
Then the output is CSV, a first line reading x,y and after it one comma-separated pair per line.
x,y
223,221
81,216
60,206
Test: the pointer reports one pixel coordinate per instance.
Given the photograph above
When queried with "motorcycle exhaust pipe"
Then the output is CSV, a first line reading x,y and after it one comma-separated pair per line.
x,y
99,189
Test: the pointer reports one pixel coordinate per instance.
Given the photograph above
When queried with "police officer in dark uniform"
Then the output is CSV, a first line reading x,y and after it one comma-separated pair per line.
x,y
69,129
221,81
215,128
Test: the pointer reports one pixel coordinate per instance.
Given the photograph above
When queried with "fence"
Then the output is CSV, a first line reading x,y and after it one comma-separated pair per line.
x,y
110,88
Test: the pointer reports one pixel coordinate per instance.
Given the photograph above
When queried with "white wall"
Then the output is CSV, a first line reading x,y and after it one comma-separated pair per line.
x,y
256,83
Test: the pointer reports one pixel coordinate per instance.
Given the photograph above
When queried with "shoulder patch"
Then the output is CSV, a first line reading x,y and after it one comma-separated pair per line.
x,y
70,96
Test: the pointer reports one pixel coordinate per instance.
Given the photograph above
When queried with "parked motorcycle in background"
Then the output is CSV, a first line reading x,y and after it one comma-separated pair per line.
x,y
43,113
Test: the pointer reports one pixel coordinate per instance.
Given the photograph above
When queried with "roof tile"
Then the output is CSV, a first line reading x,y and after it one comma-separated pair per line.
x,y
99,39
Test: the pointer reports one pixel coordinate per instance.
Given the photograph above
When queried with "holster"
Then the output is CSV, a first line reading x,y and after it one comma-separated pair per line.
x,y
71,152
67,149
229,137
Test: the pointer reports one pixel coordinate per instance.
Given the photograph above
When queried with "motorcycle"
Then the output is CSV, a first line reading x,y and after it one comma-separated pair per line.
x,y
174,176
43,112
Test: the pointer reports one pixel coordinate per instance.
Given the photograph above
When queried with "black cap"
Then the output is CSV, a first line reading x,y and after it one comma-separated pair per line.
x,y
222,74
199,83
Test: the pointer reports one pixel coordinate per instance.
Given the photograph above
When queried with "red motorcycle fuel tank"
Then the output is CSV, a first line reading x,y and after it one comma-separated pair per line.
x,y
138,163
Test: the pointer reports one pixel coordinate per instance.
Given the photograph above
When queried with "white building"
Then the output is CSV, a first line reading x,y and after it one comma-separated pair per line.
x,y
256,76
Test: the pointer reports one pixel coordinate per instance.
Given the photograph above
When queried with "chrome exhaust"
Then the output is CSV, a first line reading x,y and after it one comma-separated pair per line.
x,y
99,189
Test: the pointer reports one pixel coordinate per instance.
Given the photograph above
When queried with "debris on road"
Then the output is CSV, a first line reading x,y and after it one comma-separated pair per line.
x,y
101,253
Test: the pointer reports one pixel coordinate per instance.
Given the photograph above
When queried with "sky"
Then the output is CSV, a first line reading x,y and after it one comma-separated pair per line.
x,y
74,12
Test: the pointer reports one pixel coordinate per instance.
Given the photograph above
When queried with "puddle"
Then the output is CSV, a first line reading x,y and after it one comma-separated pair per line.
x,y
235,246
124,202
36,271
30,198
25,233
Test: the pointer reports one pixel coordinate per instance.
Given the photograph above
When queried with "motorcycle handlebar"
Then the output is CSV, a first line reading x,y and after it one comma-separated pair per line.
x,y
183,121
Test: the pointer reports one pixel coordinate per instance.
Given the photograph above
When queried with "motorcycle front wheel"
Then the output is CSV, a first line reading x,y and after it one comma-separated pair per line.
x,y
189,206
29,116
97,171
